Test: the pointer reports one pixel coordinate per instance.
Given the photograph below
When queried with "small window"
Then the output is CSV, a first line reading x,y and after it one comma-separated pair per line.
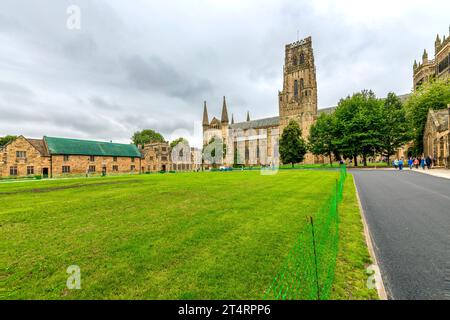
x,y
66,169
13,171
132,160
30,170
115,168
66,158
91,168
163,149
151,158
115,159
302,84
302,59
91,158
21,154
295,88
133,168
163,158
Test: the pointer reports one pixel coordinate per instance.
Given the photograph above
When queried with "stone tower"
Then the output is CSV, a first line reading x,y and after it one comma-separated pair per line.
x,y
298,100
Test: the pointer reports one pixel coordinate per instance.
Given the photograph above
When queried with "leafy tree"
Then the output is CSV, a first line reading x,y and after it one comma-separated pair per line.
x,y
357,125
6,139
292,145
175,142
434,95
322,136
394,128
146,136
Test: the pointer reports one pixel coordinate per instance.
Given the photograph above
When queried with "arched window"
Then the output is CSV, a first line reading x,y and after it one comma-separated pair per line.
x,y
302,84
302,58
295,88
294,60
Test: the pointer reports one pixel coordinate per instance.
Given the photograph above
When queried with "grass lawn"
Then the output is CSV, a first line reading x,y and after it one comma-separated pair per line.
x,y
177,236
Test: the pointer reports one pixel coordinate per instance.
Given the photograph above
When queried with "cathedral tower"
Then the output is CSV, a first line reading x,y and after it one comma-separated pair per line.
x,y
298,100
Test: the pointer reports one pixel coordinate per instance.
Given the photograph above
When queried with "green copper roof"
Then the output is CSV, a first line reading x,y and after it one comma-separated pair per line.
x,y
90,148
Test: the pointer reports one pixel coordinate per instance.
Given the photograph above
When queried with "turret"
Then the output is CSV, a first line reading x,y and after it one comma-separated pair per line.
x,y
205,117
415,65
224,119
232,119
438,42
248,115
425,56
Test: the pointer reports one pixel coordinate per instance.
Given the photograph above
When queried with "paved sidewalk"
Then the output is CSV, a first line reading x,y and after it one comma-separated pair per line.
x,y
442,173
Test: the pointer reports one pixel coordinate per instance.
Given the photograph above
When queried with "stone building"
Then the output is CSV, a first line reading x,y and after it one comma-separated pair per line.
x,y
156,157
255,142
436,138
55,157
437,68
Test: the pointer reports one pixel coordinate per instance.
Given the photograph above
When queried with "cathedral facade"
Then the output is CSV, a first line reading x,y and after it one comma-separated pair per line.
x,y
255,142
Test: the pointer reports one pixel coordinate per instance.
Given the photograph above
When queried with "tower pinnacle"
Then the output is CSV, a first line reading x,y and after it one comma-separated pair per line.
x,y
205,115
224,112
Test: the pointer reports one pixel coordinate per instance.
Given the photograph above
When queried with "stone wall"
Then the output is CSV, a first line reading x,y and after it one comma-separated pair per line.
x,y
32,159
80,164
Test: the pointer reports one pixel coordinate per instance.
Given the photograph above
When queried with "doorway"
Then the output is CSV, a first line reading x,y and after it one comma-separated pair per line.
x,y
45,173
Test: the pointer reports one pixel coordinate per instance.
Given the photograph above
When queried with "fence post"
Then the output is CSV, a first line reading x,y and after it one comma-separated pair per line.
x,y
315,258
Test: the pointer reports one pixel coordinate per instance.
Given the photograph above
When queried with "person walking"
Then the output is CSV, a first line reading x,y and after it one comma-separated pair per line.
x,y
428,162
396,163
410,163
416,163
422,163
400,164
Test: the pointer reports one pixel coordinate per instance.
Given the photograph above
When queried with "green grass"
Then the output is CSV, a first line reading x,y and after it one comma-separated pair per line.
x,y
353,257
179,236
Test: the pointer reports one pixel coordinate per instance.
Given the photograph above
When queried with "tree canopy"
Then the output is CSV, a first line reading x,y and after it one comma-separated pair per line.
x,y
292,146
6,139
146,136
361,125
434,95
175,142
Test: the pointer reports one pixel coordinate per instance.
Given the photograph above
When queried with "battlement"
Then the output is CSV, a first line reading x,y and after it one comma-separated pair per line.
x,y
306,41
420,66
445,42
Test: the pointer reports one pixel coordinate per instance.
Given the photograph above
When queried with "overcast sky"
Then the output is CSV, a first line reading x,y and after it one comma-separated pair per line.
x,y
151,64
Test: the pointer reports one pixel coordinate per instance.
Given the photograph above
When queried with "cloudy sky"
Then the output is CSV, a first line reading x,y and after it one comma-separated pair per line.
x,y
151,64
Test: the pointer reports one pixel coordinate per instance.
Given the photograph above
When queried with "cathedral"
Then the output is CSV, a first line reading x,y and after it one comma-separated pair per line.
x,y
255,142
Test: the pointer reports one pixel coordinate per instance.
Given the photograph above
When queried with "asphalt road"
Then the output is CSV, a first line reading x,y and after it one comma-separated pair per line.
x,y
408,215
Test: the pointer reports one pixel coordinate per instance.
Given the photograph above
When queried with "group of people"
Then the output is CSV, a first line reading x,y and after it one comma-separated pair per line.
x,y
414,163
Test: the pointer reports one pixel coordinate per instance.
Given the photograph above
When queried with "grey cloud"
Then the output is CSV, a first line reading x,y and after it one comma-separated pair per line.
x,y
154,74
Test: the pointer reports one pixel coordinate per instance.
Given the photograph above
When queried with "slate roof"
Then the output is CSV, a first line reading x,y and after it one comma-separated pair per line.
x,y
39,145
90,148
255,124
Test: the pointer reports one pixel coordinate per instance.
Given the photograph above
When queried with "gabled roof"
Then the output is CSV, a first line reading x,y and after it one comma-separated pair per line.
x,y
39,145
255,124
90,148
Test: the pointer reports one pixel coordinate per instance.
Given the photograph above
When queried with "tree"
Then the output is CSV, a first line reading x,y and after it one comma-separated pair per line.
x,y
434,95
6,139
146,136
175,142
292,145
322,135
357,125
394,128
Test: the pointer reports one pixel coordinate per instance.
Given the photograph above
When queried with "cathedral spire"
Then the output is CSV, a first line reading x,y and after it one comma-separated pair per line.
x,y
232,119
205,115
224,112
248,115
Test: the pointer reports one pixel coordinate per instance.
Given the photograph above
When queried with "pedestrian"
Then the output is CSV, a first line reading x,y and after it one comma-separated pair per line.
x,y
416,163
410,163
422,163
428,162
400,164
396,163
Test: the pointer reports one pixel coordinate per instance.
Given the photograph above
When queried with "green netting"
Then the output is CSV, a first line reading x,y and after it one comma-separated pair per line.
x,y
308,272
